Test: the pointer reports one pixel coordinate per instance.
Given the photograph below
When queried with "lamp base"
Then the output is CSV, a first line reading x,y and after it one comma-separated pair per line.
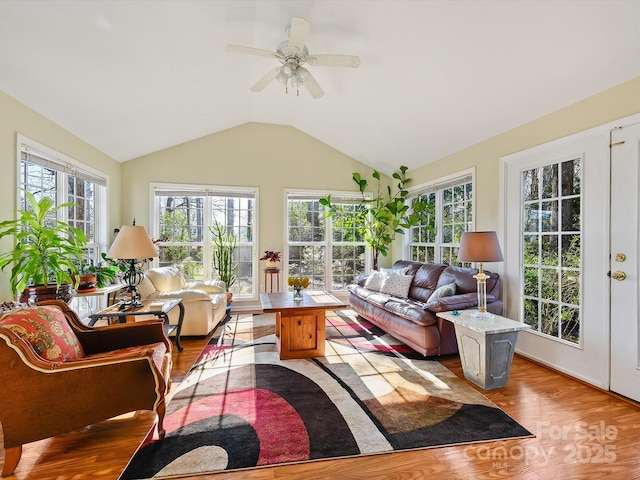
x,y
131,299
130,305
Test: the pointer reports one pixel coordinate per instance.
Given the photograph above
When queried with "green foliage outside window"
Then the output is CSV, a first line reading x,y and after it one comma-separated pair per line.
x,y
552,249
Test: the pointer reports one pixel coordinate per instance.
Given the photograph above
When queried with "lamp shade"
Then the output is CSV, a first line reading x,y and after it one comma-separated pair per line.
x,y
479,247
132,242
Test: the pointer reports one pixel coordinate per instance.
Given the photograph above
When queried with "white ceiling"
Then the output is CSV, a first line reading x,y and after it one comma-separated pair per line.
x,y
134,77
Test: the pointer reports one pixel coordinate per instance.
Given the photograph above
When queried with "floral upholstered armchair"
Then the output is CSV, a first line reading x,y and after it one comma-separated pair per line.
x,y
58,375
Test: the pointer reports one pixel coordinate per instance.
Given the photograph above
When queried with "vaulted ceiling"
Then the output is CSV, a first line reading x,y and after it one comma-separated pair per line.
x,y
134,77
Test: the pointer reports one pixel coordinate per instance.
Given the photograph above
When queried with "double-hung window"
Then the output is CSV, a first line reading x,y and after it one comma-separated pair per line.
x,y
330,251
44,172
183,215
449,212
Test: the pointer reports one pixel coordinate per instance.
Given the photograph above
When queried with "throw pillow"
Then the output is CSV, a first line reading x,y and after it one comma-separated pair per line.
x,y
444,291
47,330
401,271
374,281
397,285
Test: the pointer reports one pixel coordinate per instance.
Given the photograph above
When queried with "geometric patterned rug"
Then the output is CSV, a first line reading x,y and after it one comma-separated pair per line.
x,y
240,406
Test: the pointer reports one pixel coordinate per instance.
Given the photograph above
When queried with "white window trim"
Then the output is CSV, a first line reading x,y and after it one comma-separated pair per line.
x,y
437,184
49,153
199,189
328,234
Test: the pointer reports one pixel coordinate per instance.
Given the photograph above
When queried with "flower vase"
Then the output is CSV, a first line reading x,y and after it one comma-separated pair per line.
x,y
297,294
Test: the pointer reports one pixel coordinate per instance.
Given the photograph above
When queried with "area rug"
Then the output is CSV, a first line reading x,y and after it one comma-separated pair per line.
x,y
240,406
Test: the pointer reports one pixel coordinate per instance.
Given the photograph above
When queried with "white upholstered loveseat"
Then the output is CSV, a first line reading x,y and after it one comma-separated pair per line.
x,y
204,302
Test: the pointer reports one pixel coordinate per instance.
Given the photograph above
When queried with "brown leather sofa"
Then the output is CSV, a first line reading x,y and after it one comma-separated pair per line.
x,y
413,320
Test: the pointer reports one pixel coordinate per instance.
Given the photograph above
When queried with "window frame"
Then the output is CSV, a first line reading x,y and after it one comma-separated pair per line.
x,y
328,242
207,191
66,166
561,268
438,186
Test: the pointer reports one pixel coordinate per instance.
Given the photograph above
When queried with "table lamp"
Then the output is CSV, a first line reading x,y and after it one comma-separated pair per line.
x,y
132,244
480,247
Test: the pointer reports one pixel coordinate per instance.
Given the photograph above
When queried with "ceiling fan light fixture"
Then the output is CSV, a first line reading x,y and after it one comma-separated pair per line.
x,y
282,79
302,74
291,54
286,70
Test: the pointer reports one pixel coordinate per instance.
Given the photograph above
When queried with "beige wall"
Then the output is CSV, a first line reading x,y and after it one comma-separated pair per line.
x,y
274,157
16,118
271,157
607,106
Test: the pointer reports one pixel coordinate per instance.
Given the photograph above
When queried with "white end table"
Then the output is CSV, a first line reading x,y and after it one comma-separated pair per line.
x,y
486,346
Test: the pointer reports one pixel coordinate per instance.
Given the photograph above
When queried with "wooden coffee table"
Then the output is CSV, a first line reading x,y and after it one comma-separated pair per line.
x,y
300,325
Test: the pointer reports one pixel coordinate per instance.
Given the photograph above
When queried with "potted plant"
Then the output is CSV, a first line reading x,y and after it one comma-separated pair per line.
x,y
117,266
100,275
224,248
86,279
46,254
272,258
385,215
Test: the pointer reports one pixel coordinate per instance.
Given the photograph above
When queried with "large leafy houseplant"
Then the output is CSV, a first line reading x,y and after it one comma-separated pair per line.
x,y
380,218
224,247
47,251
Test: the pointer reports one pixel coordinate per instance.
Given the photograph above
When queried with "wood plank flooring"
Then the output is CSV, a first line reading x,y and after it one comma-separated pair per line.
x,y
581,433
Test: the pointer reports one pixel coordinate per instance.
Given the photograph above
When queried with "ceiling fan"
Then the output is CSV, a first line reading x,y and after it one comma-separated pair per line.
x,y
292,54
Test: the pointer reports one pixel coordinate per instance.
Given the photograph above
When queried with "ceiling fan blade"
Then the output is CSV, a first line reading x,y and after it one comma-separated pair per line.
x,y
266,80
251,51
328,60
313,87
298,34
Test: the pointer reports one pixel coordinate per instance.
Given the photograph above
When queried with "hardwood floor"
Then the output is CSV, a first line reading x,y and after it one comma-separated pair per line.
x,y
581,433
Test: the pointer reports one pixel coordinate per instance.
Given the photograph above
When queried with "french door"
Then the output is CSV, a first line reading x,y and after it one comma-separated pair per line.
x,y
604,348
556,264
625,221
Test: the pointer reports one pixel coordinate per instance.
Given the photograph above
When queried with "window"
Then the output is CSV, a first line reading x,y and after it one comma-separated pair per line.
x,y
331,256
183,215
450,212
47,173
551,249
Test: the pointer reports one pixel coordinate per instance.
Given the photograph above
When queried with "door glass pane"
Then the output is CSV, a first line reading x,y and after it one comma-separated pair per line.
x,y
551,249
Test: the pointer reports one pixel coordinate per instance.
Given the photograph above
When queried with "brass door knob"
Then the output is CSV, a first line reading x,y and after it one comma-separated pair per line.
x,y
618,275
620,257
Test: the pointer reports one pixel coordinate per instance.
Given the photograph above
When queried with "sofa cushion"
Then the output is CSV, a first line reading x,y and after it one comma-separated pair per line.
x,y
426,281
444,291
374,281
457,302
395,270
146,288
465,283
166,279
396,284
370,296
47,330
187,296
410,310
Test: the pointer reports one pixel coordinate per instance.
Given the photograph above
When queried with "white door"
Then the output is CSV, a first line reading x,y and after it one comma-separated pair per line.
x,y
625,221
547,258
